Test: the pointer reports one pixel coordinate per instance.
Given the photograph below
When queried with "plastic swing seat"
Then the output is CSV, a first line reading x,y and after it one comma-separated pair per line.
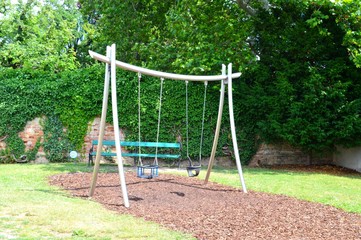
x,y
193,171
147,171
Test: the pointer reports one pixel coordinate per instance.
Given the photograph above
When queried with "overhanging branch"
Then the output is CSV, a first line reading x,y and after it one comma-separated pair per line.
x,y
245,5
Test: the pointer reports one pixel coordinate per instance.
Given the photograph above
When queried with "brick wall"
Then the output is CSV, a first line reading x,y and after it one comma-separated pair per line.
x,y
93,133
33,131
266,155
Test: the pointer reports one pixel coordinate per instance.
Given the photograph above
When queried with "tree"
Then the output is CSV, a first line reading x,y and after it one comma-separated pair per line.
x,y
125,23
39,34
299,59
306,85
346,15
198,38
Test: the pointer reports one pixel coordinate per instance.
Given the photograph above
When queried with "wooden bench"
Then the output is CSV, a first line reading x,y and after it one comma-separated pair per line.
x,y
162,146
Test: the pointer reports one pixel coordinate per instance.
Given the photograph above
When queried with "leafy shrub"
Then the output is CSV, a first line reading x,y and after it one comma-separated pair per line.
x,y
56,144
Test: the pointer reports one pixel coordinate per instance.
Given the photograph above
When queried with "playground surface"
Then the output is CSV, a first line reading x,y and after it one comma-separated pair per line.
x,y
215,211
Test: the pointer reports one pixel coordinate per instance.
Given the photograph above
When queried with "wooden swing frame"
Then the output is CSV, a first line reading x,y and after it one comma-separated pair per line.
x,y
110,79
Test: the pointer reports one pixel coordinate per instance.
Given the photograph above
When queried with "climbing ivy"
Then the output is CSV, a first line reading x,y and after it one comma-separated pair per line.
x,y
173,112
56,143
72,99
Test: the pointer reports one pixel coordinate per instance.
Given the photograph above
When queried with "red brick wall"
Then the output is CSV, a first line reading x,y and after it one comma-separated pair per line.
x,y
33,130
93,133
266,154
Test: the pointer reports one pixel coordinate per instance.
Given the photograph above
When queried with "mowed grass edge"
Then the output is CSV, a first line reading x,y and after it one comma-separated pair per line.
x,y
340,191
31,209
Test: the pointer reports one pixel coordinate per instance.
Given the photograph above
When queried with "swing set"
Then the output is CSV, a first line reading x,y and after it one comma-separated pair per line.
x,y
192,169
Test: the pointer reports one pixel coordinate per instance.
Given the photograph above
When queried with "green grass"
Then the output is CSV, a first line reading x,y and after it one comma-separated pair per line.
x,y
339,191
31,209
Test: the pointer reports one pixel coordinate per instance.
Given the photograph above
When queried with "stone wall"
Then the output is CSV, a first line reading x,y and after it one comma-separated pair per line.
x,y
281,154
32,132
267,154
93,134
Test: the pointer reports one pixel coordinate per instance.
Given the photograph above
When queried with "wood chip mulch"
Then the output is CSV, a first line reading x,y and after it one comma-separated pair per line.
x,y
214,211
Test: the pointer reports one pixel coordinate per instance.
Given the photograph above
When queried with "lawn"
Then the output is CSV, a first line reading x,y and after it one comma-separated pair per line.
x,y
341,191
31,209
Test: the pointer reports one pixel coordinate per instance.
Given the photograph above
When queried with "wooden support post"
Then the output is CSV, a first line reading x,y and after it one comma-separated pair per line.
x,y
218,127
233,128
102,126
116,128
110,72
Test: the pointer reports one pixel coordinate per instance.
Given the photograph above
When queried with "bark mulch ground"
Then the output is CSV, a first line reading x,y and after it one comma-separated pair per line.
x,y
214,211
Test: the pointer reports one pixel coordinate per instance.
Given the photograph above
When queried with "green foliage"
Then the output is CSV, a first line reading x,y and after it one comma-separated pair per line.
x,y
143,18
21,101
39,35
5,156
29,94
15,143
347,16
304,89
198,38
190,37
31,154
15,149
73,99
173,112
79,97
56,145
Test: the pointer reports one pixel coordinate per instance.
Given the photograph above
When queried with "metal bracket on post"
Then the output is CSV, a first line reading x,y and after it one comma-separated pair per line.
x,y
225,82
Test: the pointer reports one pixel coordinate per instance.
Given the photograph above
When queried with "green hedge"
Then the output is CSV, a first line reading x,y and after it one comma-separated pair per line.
x,y
73,99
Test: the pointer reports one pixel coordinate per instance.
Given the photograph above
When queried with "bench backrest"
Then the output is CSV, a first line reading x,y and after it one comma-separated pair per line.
x,y
139,144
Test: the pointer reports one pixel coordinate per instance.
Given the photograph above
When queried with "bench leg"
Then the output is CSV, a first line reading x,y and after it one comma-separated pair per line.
x,y
90,161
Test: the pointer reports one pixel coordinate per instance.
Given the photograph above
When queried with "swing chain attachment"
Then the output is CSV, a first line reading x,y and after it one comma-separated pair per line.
x,y
192,170
140,163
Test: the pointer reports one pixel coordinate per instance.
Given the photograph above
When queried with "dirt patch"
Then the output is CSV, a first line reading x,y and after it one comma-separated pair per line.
x,y
214,211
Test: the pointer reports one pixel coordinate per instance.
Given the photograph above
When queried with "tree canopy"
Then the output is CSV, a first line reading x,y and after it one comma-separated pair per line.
x,y
301,60
39,35
305,88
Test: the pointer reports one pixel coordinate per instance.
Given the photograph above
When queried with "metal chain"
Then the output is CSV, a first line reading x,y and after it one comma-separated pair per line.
x,y
159,114
187,141
139,122
203,116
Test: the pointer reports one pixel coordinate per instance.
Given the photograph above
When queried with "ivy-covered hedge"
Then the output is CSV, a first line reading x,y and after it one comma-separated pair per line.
x,y
29,94
73,99
304,89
